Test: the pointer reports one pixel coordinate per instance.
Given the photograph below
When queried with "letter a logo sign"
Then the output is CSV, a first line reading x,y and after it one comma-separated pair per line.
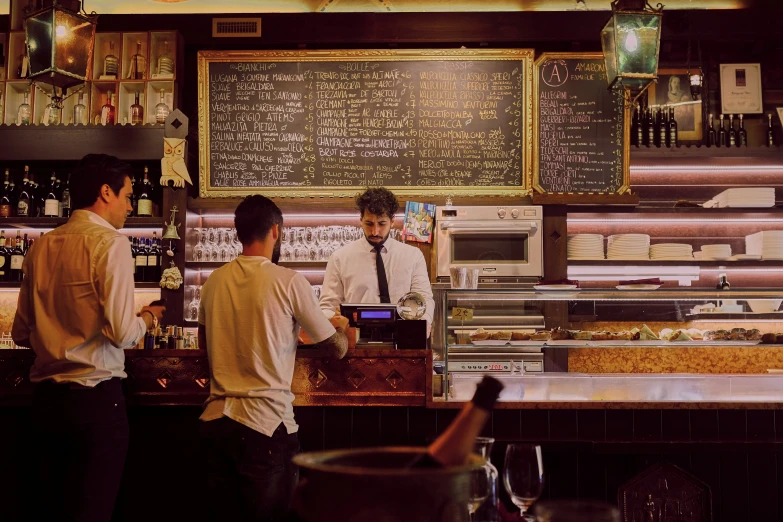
x,y
554,73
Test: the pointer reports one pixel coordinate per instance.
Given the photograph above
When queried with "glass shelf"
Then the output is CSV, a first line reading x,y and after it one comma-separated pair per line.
x,y
599,294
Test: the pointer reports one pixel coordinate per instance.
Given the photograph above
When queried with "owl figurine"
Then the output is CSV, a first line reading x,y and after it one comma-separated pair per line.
x,y
172,166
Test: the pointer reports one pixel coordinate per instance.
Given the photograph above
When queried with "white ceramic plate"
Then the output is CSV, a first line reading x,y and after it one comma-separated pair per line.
x,y
549,288
638,287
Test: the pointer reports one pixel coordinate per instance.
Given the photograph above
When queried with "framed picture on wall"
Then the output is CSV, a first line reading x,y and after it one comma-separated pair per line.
x,y
673,90
740,88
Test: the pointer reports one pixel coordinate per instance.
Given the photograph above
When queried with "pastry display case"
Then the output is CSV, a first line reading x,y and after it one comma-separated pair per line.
x,y
662,345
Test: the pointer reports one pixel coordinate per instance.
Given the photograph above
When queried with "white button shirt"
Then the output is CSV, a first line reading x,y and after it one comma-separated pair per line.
x,y
76,307
351,276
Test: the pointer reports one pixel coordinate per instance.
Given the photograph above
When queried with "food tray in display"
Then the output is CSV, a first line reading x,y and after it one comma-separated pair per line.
x,y
661,343
490,342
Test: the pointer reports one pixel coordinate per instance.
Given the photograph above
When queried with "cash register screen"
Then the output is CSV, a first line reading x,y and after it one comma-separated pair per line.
x,y
375,314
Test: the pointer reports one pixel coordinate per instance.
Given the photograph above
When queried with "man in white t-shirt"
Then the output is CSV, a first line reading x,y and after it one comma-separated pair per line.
x,y
250,315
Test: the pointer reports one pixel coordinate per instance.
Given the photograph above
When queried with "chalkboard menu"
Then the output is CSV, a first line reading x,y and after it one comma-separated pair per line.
x,y
293,123
581,139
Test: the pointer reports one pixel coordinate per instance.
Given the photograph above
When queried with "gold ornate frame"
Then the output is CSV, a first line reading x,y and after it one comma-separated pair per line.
x,y
525,56
625,186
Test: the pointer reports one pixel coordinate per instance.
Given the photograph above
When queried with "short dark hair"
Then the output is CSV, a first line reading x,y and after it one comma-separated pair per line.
x,y
379,201
254,218
91,173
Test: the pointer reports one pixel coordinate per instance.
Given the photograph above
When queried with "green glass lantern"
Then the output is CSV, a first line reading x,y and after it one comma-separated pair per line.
x,y
60,42
631,42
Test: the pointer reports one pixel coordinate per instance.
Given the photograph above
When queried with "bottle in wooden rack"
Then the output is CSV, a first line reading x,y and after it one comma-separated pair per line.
x,y
742,134
65,200
770,132
712,139
23,204
722,136
52,200
454,446
723,283
144,199
17,259
5,197
639,126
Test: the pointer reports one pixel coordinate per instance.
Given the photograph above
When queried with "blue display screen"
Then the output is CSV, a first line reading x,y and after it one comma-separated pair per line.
x,y
375,314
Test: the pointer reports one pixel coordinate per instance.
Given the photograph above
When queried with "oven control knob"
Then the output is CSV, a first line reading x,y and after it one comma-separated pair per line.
x,y
515,213
501,213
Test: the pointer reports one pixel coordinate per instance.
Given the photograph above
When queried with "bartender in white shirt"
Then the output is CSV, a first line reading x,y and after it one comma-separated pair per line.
x,y
376,268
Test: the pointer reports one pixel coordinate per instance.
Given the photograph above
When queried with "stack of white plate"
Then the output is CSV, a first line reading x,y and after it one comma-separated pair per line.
x,y
768,244
628,246
671,251
751,197
586,246
717,252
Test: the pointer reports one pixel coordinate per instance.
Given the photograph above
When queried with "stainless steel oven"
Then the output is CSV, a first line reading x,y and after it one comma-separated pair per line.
x,y
502,242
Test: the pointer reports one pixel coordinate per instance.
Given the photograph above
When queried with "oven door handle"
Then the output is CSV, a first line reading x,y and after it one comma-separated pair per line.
x,y
518,226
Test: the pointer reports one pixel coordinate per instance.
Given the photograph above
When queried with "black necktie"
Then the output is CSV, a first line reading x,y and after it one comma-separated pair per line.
x,y
383,285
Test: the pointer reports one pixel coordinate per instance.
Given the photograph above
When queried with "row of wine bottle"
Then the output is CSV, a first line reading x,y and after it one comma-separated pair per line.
x,y
12,254
147,259
732,137
654,127
29,199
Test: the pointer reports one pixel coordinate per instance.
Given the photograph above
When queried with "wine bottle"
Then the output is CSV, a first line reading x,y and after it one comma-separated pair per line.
x,y
663,127
23,204
722,136
17,259
673,132
650,128
52,200
770,132
742,134
639,126
455,444
723,283
5,198
732,132
144,199
711,136
5,257
141,261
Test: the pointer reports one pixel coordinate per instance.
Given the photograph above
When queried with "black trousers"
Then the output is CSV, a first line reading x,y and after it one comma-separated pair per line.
x,y
250,476
80,440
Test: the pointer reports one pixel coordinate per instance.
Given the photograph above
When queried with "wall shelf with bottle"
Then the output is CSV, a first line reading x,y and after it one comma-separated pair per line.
x,y
138,285
51,222
148,63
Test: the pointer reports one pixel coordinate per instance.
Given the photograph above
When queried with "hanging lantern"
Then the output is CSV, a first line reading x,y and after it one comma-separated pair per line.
x,y
631,42
696,79
60,39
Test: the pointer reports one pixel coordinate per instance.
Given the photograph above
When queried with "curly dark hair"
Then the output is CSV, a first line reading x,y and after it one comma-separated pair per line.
x,y
379,201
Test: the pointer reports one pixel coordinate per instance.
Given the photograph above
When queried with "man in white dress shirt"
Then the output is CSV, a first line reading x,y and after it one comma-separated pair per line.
x,y
376,268
76,311
250,315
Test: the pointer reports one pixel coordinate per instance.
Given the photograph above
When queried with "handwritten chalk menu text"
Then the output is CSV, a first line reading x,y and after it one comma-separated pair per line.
x,y
580,128
349,124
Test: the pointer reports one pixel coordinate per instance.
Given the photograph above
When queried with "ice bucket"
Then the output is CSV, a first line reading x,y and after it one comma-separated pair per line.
x,y
374,485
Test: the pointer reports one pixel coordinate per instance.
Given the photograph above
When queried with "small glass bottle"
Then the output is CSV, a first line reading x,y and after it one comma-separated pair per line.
x,y
650,128
107,111
136,111
80,115
53,114
110,62
722,135
723,283
165,62
23,68
711,135
161,109
742,134
138,64
23,113
673,132
770,132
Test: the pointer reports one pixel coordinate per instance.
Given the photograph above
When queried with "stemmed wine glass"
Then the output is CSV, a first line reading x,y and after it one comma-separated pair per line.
x,y
523,475
480,486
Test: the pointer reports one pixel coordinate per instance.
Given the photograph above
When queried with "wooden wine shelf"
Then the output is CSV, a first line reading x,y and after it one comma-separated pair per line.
x,y
51,222
139,286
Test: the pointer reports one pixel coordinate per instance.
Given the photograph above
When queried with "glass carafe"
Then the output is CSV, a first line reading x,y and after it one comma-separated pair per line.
x,y
488,511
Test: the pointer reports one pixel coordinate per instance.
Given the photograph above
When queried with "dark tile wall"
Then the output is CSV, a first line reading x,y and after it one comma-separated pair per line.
x,y
587,453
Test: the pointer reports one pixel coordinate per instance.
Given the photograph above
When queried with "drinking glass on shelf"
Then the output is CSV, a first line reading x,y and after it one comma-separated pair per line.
x,y
577,511
322,236
480,486
523,475
287,253
194,304
202,251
